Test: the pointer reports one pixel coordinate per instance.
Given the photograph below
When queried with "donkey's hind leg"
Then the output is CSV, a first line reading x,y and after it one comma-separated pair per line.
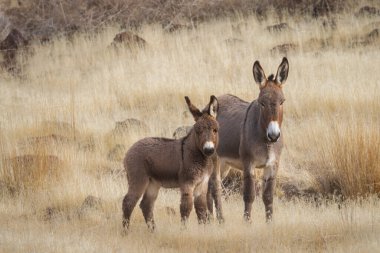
x,y
135,191
147,203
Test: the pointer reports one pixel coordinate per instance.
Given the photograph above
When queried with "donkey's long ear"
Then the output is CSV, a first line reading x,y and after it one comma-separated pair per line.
x,y
258,74
213,106
194,110
282,72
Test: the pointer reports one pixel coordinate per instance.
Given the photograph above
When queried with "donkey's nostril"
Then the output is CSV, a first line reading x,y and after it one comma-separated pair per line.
x,y
273,137
208,151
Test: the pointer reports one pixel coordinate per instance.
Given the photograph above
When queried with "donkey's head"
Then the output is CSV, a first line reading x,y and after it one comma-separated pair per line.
x,y
271,98
206,127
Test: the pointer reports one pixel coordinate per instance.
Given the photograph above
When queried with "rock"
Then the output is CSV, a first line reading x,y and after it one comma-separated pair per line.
x,y
315,44
130,125
92,202
87,144
10,46
172,27
50,213
117,153
367,11
7,189
128,39
373,35
181,131
329,23
92,207
233,41
60,128
323,8
281,27
293,191
369,39
284,49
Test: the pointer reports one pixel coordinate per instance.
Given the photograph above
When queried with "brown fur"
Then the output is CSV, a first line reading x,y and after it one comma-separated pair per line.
x,y
244,142
186,163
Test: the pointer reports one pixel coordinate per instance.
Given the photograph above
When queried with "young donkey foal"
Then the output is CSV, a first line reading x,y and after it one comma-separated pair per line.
x,y
250,137
185,163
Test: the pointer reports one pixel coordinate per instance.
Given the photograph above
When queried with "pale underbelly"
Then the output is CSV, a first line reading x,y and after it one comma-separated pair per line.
x,y
259,162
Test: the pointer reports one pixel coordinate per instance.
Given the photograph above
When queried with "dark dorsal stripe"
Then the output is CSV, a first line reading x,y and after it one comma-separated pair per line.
x,y
246,113
183,143
237,98
162,139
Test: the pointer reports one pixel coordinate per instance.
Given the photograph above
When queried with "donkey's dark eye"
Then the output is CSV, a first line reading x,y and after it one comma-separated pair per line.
x,y
262,104
214,131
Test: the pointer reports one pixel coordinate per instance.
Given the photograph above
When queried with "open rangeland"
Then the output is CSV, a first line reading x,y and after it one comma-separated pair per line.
x,y
76,106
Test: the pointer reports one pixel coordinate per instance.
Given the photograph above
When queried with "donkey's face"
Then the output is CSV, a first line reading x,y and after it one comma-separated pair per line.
x,y
206,127
271,98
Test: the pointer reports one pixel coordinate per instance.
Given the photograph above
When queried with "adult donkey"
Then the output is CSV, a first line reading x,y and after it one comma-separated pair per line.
x,y
186,163
250,137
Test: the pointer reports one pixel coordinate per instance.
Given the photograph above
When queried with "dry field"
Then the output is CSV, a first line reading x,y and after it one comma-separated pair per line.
x,y
62,140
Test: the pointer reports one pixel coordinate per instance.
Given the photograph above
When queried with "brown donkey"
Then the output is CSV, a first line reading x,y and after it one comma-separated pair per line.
x,y
186,163
250,137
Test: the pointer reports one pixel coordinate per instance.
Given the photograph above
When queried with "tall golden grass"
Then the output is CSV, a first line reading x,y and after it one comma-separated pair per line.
x,y
71,94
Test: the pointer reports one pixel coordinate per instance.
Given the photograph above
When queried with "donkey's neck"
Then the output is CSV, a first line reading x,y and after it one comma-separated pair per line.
x,y
253,122
191,150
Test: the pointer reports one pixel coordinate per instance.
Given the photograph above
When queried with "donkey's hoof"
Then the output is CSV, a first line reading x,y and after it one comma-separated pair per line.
x,y
124,231
221,220
247,218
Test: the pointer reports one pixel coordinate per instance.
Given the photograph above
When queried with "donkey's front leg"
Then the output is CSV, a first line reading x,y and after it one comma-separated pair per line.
x,y
216,189
186,201
269,182
248,188
210,189
201,206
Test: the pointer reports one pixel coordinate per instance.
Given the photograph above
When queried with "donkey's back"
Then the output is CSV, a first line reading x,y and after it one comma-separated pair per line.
x,y
230,117
156,158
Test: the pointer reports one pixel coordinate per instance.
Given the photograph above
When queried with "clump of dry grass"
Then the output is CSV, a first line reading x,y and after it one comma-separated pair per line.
x,y
27,172
352,158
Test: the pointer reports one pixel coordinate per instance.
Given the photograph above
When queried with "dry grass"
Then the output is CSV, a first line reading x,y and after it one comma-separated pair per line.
x,y
355,161
71,94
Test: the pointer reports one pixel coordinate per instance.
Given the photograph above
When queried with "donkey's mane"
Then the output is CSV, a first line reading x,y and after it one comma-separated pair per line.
x,y
163,139
271,77
183,142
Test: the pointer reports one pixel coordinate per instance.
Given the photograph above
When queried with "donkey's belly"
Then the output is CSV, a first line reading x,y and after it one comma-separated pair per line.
x,y
236,163
170,184
167,178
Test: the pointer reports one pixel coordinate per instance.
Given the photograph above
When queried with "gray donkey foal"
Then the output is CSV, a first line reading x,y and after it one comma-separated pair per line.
x,y
186,163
